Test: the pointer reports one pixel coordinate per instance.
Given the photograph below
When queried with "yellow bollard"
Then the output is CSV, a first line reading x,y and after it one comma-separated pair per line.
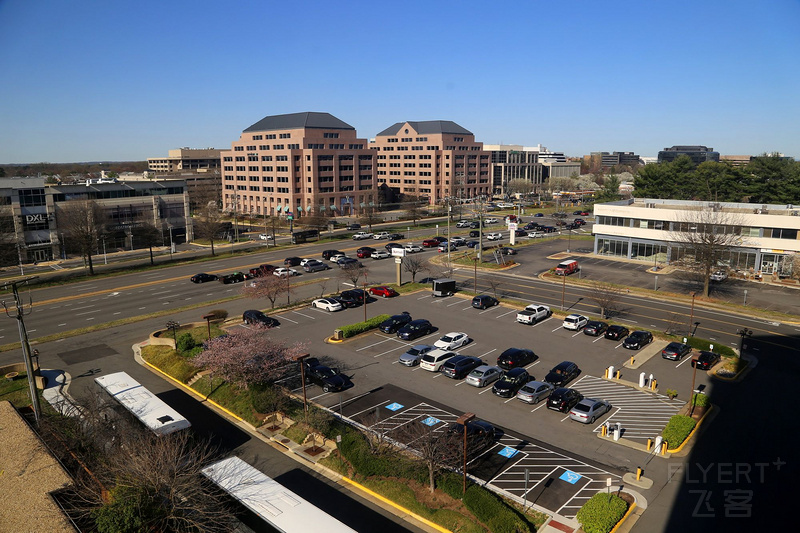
x,y
606,374
639,473
603,430
663,447
632,360
654,385
649,444
619,374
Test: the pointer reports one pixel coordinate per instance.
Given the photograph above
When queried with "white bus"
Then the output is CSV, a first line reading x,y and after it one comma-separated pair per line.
x,y
278,506
151,411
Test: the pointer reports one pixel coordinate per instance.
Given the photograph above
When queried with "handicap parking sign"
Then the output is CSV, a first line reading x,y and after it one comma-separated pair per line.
x,y
570,477
508,452
394,406
431,421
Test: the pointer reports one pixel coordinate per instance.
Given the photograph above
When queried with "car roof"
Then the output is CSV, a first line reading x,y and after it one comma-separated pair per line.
x,y
564,364
516,372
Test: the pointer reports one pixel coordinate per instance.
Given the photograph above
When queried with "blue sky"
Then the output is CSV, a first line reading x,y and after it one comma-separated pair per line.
x,y
100,80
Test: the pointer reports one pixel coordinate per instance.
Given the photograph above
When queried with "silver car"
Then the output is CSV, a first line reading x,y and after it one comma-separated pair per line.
x,y
587,410
483,375
533,391
414,354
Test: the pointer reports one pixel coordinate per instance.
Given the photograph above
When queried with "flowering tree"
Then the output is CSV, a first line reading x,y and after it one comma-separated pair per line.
x,y
268,286
248,356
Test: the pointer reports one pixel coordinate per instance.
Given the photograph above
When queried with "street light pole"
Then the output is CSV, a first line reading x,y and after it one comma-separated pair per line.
x,y
464,420
691,315
299,359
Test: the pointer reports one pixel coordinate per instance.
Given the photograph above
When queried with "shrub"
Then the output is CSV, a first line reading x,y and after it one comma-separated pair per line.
x,y
677,429
219,314
700,400
490,510
601,513
703,344
186,342
451,484
352,330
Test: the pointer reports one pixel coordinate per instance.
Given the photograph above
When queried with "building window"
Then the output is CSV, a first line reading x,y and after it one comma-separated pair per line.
x,y
238,148
285,136
330,135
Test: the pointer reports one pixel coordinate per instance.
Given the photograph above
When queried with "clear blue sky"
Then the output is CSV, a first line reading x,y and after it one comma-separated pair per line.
x,y
87,81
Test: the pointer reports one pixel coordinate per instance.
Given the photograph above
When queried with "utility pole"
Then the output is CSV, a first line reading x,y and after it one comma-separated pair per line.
x,y
23,340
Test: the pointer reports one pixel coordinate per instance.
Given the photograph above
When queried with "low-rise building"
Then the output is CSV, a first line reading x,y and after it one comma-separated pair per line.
x,y
185,159
698,154
513,162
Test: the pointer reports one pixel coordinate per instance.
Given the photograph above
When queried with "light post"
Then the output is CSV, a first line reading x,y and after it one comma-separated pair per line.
x,y
563,290
171,243
744,332
173,325
569,238
475,274
691,315
364,297
208,318
449,208
464,420
299,359
105,257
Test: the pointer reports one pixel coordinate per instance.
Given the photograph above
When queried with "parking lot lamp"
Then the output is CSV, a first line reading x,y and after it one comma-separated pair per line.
x,y
464,420
744,332
299,359
563,290
208,318
174,325
691,315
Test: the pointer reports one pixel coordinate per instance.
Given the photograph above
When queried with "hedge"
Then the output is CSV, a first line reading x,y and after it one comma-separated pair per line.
x,y
601,513
352,330
700,400
677,429
703,344
490,510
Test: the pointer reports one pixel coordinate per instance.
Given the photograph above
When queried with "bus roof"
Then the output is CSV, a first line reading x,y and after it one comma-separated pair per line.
x,y
159,417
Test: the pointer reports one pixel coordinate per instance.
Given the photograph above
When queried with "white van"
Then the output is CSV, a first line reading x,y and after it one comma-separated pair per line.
x,y
434,359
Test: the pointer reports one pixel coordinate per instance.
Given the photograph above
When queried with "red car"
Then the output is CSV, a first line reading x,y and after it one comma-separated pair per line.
x,y
430,243
364,251
383,291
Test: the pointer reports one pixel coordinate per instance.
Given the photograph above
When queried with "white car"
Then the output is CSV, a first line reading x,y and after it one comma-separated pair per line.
x,y
494,236
284,272
575,322
462,224
384,235
535,234
452,340
412,248
379,254
719,275
335,258
265,237
490,221
304,261
328,304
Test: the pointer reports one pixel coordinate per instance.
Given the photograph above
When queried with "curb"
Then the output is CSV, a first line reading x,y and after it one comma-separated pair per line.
x,y
624,517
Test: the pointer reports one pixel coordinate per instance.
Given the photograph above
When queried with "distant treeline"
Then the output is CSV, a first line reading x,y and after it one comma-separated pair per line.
x,y
67,169
767,179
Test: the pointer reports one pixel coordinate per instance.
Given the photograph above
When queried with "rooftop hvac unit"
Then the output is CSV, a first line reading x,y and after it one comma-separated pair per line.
x,y
652,205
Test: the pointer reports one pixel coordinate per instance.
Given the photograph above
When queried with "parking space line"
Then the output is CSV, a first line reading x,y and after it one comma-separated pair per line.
x,y
582,488
558,328
402,345
385,339
284,317
456,303
301,314
685,359
505,314
369,408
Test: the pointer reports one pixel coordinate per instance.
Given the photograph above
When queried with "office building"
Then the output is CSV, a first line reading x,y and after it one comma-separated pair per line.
x,y
698,154
513,162
607,160
185,159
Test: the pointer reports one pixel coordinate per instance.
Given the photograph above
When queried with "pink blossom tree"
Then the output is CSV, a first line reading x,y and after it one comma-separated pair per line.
x,y
269,287
247,356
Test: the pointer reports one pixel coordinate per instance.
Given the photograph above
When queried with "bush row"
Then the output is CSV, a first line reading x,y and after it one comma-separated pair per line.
x,y
677,429
601,513
703,344
489,509
352,330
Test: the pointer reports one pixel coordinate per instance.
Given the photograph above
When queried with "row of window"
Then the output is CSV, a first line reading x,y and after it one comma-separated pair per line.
x,y
695,227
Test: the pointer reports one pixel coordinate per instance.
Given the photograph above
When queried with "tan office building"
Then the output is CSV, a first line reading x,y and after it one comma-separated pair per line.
x,y
431,160
185,159
298,164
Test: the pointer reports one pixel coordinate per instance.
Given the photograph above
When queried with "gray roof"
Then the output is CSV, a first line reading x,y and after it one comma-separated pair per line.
x,y
294,121
428,127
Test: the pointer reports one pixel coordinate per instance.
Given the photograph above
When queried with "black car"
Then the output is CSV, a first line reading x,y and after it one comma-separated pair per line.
x,y
347,300
562,373
675,351
254,316
480,435
484,301
203,277
563,399
327,254
705,360
474,234
353,226
511,382
330,379
292,261
391,245
571,225
459,366
472,244
475,225
396,236
236,277
616,332
358,295
595,328
439,238
395,322
415,329
349,262
637,339
516,357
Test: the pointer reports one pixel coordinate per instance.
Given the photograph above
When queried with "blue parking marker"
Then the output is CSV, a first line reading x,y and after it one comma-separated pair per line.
x,y
570,477
431,421
394,406
508,452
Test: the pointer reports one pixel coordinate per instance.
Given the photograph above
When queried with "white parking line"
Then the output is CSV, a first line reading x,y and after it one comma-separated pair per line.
x,y
456,303
510,312
301,314
684,360
558,328
576,334
384,339
284,317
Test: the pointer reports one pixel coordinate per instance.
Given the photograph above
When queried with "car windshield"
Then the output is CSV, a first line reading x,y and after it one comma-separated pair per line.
x,y
447,339
413,351
326,372
527,388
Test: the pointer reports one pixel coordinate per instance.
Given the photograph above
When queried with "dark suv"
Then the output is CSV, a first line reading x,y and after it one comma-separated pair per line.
x,y
415,329
393,323
562,373
563,399
675,351
459,366
327,254
513,380
516,357
484,301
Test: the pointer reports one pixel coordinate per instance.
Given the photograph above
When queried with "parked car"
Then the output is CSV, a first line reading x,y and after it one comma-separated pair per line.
x,y
283,272
364,251
483,375
383,235
474,234
705,360
315,266
353,226
574,322
494,236
565,268
453,340
383,291
361,235
484,301
391,245
203,277
265,236
236,277
360,295
480,436
328,254
534,391
413,355
516,357
412,248
459,366
433,360
511,382
328,304
379,254
578,212
472,244
254,316
562,373
533,313
637,340
675,351
595,328
505,250
719,275
430,243
395,322
330,379
349,262
563,399
292,261
588,410
458,241
415,329
616,332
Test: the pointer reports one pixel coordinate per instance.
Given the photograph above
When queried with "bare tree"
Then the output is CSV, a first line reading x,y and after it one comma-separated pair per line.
x,y
519,186
413,265
9,253
147,235
606,296
322,284
494,284
208,223
267,286
83,223
706,238
368,218
353,273
430,446
413,211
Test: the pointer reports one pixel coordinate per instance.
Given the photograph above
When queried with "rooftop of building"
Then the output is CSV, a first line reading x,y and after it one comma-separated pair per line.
x,y
428,127
294,121
694,205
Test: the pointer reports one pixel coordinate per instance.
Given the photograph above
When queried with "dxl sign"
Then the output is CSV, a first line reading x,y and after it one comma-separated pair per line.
x,y
35,218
